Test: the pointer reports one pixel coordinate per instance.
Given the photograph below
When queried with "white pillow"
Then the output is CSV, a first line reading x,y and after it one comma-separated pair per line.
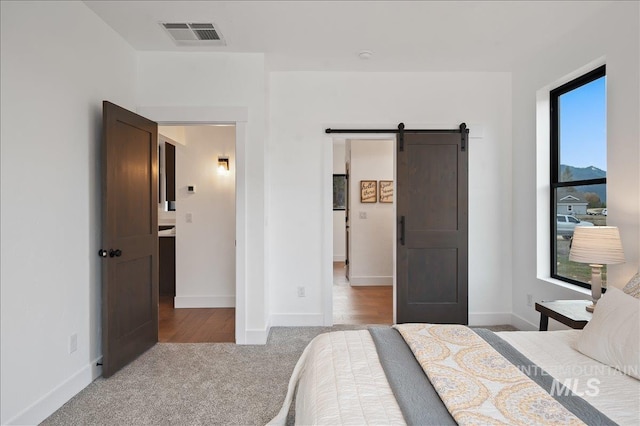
x,y
633,286
613,334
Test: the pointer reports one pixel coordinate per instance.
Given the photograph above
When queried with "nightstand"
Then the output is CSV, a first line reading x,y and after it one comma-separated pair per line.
x,y
571,313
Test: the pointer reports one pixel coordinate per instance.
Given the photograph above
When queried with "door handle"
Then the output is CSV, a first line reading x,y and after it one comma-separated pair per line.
x,y
115,253
102,253
402,230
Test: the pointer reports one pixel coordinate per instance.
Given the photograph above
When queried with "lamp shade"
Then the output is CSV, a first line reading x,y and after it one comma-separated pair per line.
x,y
596,244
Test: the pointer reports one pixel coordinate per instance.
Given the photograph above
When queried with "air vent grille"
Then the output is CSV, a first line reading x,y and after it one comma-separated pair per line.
x,y
194,34
207,34
176,26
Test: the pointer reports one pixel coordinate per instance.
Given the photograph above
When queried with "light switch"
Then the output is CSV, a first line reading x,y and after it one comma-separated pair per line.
x,y
189,218
363,215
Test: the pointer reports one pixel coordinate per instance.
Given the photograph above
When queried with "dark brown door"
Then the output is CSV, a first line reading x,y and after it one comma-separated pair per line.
x,y
129,236
432,229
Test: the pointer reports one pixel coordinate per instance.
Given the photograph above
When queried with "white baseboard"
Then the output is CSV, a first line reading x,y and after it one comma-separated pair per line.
x,y
58,396
297,320
339,258
257,337
489,318
522,324
204,302
370,281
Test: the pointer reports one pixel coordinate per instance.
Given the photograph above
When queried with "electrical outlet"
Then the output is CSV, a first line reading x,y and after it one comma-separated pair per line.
x,y
363,215
529,300
301,292
73,343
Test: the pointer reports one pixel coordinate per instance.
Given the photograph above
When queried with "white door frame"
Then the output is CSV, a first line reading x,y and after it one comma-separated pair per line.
x,y
181,116
327,211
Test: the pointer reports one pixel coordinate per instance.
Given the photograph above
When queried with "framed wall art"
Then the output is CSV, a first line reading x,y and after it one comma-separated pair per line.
x,y
386,191
368,191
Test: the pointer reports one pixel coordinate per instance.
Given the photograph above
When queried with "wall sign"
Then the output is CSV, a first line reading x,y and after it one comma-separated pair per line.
x,y
368,191
386,191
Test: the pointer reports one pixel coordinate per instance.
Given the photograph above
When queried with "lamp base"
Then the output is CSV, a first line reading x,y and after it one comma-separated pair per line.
x,y
590,308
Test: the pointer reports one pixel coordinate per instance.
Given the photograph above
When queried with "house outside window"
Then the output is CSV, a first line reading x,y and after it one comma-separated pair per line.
x,y
578,169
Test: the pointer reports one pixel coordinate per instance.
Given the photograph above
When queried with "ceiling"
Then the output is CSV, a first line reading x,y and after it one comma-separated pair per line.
x,y
328,35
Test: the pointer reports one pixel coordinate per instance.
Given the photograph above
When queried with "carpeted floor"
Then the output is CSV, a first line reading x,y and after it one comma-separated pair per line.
x,y
196,383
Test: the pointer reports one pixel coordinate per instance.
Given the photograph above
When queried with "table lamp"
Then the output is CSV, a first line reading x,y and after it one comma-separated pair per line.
x,y
597,246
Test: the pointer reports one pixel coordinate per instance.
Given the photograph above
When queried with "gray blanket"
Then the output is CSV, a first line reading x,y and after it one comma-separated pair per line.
x,y
420,403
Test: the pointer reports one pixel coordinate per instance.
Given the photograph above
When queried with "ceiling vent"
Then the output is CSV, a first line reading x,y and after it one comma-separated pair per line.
x,y
194,34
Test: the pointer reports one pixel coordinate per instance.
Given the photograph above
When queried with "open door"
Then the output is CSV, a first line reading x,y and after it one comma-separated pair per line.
x,y
129,237
432,247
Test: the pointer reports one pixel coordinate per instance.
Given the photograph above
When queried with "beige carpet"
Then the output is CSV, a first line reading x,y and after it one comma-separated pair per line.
x,y
196,383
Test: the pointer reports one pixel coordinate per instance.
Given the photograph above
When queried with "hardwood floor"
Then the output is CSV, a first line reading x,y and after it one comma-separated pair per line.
x,y
195,325
360,304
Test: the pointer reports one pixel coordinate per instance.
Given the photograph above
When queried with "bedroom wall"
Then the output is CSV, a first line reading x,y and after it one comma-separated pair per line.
x,y
199,79
372,224
616,43
300,161
339,237
55,72
205,247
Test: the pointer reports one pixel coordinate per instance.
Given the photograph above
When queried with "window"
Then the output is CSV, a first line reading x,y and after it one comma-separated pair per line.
x,y
578,168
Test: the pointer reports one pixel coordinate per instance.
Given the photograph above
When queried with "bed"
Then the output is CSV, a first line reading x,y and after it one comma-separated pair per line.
x,y
432,374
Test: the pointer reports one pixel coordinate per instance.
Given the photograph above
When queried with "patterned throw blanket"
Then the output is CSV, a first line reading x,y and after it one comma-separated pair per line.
x,y
476,383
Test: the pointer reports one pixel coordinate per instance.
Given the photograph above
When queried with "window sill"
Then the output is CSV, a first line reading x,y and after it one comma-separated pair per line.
x,y
568,286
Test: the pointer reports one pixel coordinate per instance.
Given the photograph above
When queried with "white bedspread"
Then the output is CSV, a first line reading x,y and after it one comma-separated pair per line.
x,y
610,391
341,382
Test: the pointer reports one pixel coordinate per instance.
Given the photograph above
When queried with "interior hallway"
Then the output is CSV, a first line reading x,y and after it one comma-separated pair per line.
x,y
360,304
195,325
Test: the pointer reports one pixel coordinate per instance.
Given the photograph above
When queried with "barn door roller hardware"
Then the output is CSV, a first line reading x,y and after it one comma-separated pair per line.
x,y
400,132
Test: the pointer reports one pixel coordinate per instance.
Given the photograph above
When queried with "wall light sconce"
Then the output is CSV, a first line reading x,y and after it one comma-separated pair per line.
x,y
223,165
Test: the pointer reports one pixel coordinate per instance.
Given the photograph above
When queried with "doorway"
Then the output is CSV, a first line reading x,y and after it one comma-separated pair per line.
x,y
167,116
363,233
197,234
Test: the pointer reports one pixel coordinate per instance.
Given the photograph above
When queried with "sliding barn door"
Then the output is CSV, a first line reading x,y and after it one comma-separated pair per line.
x,y
432,246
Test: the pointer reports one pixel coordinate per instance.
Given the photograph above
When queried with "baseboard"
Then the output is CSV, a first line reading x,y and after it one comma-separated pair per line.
x,y
257,337
339,258
297,320
522,324
204,302
489,318
56,398
370,281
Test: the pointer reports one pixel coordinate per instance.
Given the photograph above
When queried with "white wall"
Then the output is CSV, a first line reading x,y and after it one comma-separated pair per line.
x,y
205,248
300,164
54,77
616,43
339,237
371,257
183,79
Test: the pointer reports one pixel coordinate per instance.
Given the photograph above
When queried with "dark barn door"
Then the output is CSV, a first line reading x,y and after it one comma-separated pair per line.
x,y
129,236
432,242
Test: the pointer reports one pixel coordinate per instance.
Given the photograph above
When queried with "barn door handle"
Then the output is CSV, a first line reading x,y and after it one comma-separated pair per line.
x,y
115,253
402,230
102,253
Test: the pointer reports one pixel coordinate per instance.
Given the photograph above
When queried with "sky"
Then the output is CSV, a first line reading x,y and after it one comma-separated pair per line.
x,y
583,126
